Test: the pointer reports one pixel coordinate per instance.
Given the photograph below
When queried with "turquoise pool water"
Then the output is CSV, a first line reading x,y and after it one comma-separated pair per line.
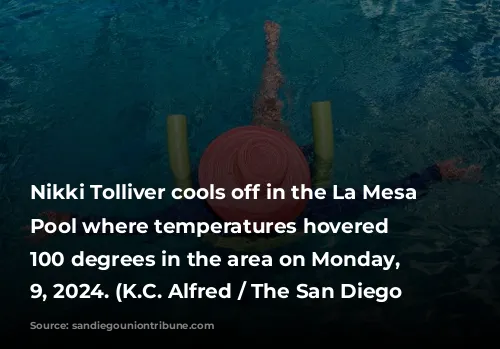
x,y
85,89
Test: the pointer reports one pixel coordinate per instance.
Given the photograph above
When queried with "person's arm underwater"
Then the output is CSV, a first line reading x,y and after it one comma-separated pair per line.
x,y
330,209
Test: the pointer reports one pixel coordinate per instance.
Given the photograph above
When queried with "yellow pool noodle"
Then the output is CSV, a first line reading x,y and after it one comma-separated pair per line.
x,y
323,143
178,150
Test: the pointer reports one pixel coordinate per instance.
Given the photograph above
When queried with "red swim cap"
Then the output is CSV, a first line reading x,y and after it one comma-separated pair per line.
x,y
255,155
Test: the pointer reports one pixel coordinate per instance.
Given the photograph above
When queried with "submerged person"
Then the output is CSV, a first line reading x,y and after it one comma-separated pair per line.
x,y
268,116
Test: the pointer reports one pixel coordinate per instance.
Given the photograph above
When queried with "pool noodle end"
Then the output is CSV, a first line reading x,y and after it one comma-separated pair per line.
x,y
323,139
178,150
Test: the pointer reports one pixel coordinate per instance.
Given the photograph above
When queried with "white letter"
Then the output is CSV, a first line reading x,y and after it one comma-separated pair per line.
x,y
177,197
353,289
37,192
35,226
302,292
